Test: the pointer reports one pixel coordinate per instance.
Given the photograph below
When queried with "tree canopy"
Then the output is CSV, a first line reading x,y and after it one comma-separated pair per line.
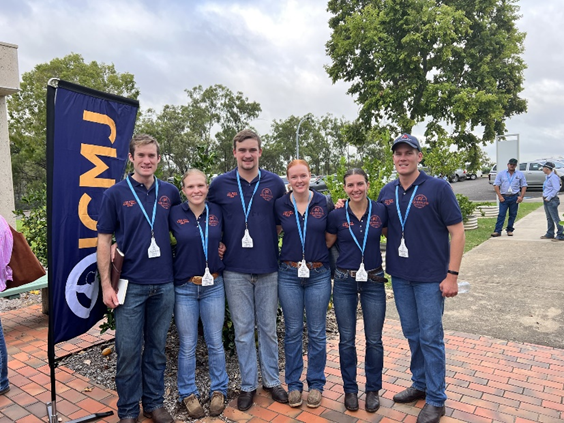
x,y
27,111
454,64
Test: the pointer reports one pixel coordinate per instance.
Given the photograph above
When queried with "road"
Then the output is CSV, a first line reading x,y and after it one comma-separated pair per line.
x,y
481,190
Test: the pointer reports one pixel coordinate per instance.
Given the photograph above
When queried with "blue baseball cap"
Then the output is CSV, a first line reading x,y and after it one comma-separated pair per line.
x,y
407,139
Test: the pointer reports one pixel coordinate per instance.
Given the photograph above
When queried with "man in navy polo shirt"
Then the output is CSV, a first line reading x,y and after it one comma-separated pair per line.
x,y
422,214
136,210
246,196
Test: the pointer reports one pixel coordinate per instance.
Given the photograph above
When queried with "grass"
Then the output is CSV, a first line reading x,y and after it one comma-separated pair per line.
x,y
486,225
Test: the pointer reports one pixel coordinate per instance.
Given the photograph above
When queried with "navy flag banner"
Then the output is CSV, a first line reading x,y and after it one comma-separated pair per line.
x,y
88,134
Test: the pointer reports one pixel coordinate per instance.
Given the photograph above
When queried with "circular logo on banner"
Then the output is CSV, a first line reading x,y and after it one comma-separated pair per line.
x,y
81,290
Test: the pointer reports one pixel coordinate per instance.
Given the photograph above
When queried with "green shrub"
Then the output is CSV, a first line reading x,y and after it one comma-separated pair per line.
x,y
33,222
467,207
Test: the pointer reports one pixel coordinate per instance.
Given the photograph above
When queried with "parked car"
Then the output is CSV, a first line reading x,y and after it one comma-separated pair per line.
x,y
492,174
473,176
458,175
318,183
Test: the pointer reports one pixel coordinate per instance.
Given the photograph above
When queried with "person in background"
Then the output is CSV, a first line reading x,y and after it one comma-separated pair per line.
x,y
304,282
357,228
6,246
199,293
550,189
423,255
510,186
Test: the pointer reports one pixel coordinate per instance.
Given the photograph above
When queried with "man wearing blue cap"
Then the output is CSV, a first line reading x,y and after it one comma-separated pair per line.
x,y
423,216
510,186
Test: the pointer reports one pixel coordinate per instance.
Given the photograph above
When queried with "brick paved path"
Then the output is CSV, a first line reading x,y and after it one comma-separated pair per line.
x,y
488,380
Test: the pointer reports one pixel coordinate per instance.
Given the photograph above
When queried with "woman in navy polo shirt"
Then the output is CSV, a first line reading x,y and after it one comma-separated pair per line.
x,y
357,228
197,227
304,282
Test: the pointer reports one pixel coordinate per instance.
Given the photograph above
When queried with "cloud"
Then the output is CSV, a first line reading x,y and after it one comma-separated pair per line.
x,y
271,50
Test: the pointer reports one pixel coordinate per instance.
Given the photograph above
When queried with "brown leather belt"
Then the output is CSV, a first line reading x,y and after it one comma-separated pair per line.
x,y
310,264
372,274
197,280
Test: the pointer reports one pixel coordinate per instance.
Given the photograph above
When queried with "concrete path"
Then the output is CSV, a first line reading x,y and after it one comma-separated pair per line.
x,y
517,287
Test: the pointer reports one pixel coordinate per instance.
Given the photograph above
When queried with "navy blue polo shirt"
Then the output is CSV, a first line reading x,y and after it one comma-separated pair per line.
x,y
224,191
350,255
121,214
190,259
315,245
434,208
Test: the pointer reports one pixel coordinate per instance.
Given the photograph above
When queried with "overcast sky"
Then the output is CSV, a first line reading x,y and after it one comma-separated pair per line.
x,y
271,50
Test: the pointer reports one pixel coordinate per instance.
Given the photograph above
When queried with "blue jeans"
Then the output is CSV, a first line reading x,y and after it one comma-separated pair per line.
x,y
312,295
142,324
4,383
253,300
420,307
552,218
346,292
511,204
208,302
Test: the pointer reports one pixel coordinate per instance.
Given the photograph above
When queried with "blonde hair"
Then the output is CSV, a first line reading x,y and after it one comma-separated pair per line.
x,y
190,172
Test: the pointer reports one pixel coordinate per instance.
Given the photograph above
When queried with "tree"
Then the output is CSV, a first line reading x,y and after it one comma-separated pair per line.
x,y
27,111
186,132
454,64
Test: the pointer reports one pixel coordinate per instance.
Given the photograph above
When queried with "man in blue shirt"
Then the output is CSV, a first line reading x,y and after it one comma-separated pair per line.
x,y
550,189
246,196
510,186
422,215
136,210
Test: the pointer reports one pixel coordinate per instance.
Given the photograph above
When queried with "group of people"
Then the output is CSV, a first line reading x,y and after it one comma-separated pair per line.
x,y
227,247
510,186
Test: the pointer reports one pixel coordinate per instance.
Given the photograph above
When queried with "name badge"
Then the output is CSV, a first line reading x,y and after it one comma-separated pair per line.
x,y
402,250
303,271
207,279
247,241
154,250
361,275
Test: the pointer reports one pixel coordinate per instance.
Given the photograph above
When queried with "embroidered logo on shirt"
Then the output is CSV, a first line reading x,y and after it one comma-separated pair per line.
x,y
317,212
375,221
420,201
389,201
232,194
213,220
129,203
346,225
164,202
266,193
182,221
288,213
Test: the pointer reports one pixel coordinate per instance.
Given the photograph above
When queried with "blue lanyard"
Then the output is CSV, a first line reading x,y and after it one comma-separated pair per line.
x,y
402,219
152,221
367,226
205,239
245,209
511,179
302,236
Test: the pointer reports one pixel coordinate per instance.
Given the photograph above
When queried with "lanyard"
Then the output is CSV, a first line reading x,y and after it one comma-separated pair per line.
x,y
401,218
367,226
510,179
205,239
245,209
302,236
152,221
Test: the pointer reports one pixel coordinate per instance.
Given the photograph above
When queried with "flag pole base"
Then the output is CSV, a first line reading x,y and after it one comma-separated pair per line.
x,y
53,418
